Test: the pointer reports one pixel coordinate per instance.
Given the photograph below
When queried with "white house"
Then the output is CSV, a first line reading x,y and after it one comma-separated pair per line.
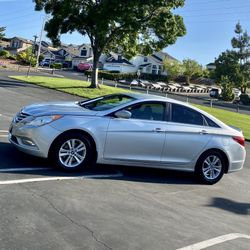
x,y
151,64
115,62
84,55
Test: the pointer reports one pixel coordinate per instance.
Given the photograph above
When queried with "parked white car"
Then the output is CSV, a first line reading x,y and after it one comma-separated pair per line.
x,y
129,129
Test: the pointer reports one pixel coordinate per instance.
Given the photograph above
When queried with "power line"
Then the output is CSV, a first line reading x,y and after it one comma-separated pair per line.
x,y
208,2
16,18
219,21
8,13
214,14
226,8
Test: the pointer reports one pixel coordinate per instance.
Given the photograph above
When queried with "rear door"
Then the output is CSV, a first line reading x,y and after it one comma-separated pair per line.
x,y
140,138
186,136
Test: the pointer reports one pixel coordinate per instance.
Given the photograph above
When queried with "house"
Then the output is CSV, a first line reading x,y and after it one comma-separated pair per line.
x,y
83,54
151,64
18,44
117,63
211,66
4,43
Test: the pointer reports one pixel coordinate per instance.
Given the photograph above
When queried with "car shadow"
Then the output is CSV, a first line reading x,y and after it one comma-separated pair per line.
x,y
11,158
11,83
230,205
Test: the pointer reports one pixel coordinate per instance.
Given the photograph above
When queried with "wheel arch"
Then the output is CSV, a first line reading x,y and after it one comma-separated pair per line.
x,y
82,132
224,155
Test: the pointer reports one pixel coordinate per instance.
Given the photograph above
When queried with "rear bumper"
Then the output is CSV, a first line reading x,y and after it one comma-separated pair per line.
x,y
236,166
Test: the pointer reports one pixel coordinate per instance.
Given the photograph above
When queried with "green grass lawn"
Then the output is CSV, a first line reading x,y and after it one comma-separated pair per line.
x,y
75,87
79,88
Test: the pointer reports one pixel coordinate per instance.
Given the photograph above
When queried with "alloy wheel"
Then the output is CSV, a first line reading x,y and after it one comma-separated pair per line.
x,y
72,153
212,167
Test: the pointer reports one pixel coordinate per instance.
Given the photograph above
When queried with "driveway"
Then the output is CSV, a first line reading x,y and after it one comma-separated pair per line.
x,y
111,207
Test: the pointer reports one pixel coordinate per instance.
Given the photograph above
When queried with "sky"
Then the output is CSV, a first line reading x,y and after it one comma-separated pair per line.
x,y
210,26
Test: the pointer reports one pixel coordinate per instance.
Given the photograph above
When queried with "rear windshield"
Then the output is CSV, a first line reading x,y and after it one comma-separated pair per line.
x,y
106,102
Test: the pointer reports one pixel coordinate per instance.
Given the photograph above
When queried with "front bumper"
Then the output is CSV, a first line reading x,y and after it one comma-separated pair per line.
x,y
32,140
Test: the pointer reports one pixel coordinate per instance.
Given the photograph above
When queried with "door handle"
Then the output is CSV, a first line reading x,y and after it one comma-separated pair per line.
x,y
158,130
203,132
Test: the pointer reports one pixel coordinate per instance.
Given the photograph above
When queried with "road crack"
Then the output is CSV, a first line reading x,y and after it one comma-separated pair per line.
x,y
68,217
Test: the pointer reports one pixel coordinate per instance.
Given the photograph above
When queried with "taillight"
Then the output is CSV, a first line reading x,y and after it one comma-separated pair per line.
x,y
240,140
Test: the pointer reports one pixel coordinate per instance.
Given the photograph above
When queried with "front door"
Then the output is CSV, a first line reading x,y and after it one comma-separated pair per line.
x,y
140,138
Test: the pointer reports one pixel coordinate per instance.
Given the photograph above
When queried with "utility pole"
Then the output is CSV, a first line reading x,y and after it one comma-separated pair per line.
x,y
40,42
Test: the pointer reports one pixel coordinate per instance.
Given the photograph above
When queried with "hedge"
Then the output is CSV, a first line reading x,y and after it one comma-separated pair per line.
x,y
245,99
109,75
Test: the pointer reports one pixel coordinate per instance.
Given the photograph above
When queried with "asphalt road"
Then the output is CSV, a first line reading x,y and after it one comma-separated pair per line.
x,y
111,207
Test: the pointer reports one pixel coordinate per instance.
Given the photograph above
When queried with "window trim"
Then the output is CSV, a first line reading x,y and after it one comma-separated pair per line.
x,y
165,104
205,123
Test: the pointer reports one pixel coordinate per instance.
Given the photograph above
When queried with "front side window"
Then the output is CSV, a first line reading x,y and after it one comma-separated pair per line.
x,y
148,111
106,102
182,114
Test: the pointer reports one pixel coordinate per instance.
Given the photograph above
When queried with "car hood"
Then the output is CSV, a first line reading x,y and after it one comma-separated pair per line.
x,y
57,108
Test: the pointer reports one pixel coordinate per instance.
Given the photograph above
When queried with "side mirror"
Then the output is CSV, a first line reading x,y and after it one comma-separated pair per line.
x,y
123,114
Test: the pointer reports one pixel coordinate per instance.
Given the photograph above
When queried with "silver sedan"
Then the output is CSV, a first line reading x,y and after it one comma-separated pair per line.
x,y
129,129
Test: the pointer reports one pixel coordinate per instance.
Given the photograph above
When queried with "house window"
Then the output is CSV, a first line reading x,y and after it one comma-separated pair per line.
x,y
145,59
159,70
154,70
84,52
15,44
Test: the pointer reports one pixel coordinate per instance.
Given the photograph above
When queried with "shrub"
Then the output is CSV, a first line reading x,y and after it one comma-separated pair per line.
x,y
56,66
245,99
4,54
26,57
108,75
11,57
227,89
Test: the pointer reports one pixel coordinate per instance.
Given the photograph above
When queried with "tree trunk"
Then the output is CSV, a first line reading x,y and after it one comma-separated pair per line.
x,y
243,90
188,80
94,80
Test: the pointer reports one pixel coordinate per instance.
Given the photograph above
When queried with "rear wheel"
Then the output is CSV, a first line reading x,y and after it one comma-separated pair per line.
x,y
71,152
210,167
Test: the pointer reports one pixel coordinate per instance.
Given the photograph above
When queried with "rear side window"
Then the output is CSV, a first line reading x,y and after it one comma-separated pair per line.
x,y
182,114
211,123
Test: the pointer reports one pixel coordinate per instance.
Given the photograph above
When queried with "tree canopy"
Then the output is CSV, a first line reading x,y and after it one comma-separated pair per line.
x,y
191,68
234,64
173,68
123,26
2,29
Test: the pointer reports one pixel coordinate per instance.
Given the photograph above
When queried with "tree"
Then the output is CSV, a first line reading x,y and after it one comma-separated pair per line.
x,y
2,35
125,26
227,89
227,64
191,68
27,57
242,43
173,68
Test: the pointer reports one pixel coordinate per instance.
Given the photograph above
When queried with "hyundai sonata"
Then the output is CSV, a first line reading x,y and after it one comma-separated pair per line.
x,y
129,129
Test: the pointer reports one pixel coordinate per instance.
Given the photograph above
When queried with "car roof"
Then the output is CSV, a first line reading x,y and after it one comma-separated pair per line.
x,y
150,97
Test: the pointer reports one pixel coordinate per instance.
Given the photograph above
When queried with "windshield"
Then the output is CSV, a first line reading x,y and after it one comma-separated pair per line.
x,y
106,102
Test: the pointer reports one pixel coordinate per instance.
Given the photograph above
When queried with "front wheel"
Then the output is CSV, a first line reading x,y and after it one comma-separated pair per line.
x,y
71,152
210,167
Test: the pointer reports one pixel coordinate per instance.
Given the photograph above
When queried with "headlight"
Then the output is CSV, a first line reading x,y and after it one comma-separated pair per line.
x,y
42,120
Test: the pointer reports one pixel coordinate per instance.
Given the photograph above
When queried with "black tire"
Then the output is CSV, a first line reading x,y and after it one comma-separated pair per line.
x,y
202,169
61,143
